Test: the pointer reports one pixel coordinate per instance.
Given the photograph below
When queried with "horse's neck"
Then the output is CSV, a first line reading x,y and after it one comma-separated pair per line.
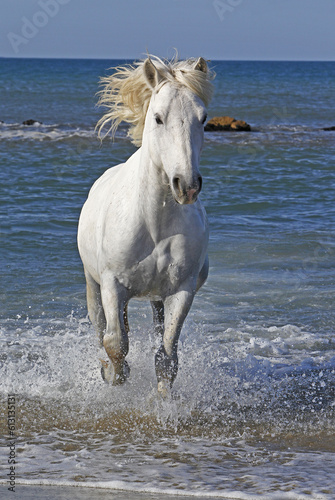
x,y
155,198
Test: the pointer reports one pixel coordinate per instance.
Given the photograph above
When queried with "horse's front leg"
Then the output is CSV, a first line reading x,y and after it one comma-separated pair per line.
x,y
94,306
176,308
115,339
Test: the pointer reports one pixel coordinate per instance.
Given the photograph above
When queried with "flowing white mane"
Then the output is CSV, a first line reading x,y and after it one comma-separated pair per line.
x,y
126,93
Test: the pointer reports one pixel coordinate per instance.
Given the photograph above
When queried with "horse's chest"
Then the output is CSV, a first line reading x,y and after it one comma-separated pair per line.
x,y
162,270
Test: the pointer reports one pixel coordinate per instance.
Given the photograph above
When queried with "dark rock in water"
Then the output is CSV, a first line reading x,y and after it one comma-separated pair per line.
x,y
240,125
329,128
219,123
226,123
31,122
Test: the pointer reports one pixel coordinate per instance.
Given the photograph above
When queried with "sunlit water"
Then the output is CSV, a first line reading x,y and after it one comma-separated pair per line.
x,y
252,410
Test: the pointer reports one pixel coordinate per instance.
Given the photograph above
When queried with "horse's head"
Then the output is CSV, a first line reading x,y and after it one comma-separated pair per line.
x,y
174,128
164,103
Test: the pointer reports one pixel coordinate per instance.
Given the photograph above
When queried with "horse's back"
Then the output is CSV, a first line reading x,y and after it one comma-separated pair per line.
x,y
105,179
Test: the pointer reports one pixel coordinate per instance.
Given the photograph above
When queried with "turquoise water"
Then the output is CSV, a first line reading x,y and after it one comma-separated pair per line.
x,y
253,409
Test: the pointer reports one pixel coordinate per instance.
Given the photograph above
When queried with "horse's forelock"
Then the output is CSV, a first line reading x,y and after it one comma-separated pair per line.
x,y
126,92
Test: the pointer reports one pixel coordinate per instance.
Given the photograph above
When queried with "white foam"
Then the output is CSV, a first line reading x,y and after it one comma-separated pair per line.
x,y
174,492
53,358
40,133
57,363
51,132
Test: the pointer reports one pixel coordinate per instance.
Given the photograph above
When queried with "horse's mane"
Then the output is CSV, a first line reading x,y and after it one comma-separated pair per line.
x,y
126,93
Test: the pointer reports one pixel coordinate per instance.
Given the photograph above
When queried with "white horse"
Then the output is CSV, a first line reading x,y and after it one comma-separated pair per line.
x,y
143,231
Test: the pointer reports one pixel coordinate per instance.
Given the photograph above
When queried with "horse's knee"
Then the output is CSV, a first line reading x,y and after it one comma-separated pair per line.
x,y
166,367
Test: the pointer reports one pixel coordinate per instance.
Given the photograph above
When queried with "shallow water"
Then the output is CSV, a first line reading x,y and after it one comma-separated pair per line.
x,y
252,411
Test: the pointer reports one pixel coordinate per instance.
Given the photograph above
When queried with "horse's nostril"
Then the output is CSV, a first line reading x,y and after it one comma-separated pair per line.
x,y
176,185
186,191
200,183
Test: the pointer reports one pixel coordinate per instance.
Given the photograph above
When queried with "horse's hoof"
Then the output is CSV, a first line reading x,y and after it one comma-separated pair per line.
x,y
126,370
120,379
108,373
164,389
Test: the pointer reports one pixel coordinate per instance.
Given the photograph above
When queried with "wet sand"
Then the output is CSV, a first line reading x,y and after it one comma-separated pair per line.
x,y
77,493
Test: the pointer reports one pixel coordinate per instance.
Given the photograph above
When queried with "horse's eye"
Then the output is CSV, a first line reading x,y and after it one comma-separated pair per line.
x,y
204,119
158,120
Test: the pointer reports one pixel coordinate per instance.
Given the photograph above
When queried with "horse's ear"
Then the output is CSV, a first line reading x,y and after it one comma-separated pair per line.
x,y
201,65
153,76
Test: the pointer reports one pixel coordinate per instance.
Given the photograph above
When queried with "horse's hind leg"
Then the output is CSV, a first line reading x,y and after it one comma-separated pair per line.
x,y
94,306
158,317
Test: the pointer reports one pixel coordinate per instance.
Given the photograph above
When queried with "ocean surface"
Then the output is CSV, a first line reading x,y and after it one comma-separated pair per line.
x,y
252,410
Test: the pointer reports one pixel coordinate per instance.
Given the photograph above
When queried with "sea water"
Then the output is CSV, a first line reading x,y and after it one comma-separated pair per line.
x,y
252,410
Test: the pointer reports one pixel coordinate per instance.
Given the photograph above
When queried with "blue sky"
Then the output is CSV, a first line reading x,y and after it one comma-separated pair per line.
x,y
215,29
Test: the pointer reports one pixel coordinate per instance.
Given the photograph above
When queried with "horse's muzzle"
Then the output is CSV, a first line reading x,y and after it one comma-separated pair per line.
x,y
183,193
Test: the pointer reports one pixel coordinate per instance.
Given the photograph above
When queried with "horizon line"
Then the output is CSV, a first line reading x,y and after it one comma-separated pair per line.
x,y
136,59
